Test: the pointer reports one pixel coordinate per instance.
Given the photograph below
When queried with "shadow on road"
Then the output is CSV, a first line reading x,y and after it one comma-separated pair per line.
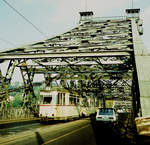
x,y
39,138
119,133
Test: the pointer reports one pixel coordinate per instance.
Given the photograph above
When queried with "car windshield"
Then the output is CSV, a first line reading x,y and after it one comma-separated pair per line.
x,y
106,111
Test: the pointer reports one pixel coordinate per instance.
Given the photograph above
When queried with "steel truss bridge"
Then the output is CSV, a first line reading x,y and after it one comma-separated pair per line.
x,y
101,57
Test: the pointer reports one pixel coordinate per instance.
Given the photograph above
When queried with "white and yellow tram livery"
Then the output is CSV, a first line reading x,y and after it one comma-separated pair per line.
x,y
60,104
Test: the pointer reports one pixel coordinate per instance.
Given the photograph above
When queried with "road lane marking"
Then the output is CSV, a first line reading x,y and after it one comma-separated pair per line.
x,y
57,138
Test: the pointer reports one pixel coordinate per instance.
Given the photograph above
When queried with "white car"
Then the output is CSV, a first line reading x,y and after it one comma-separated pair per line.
x,y
106,115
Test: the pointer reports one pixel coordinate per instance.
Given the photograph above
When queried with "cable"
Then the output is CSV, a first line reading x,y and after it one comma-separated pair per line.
x,y
24,18
8,42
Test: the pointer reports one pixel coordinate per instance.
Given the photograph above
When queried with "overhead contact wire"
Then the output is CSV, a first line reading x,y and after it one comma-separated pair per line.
x,y
24,18
8,42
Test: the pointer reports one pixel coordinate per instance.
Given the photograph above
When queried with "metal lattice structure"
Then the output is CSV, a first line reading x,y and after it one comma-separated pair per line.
x,y
96,58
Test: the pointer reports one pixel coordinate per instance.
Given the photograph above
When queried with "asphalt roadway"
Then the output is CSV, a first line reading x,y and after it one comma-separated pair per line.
x,y
85,131
70,133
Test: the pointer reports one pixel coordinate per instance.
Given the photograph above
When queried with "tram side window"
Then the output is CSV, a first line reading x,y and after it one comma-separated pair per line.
x,y
78,101
60,98
47,99
72,100
75,101
63,98
91,103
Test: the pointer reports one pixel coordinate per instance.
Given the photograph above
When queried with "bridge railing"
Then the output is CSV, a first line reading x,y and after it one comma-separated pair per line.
x,y
15,113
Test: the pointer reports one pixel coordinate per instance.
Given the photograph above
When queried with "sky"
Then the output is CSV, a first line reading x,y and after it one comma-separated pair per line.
x,y
54,17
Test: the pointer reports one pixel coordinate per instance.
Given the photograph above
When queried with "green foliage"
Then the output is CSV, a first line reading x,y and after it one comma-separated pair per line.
x,y
37,92
17,101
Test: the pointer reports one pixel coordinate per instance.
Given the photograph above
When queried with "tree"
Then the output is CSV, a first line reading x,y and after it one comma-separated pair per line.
x,y
17,101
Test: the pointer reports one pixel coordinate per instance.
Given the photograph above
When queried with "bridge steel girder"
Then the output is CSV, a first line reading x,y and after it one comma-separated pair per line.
x,y
63,55
98,54
10,71
4,87
4,98
142,59
29,98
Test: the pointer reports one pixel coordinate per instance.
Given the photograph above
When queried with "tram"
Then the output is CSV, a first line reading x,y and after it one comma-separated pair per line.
x,y
59,104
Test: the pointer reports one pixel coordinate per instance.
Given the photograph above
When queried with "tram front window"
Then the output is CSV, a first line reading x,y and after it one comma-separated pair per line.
x,y
47,100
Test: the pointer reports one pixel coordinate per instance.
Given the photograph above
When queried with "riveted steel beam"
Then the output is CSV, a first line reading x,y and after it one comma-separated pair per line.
x,y
29,98
61,55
